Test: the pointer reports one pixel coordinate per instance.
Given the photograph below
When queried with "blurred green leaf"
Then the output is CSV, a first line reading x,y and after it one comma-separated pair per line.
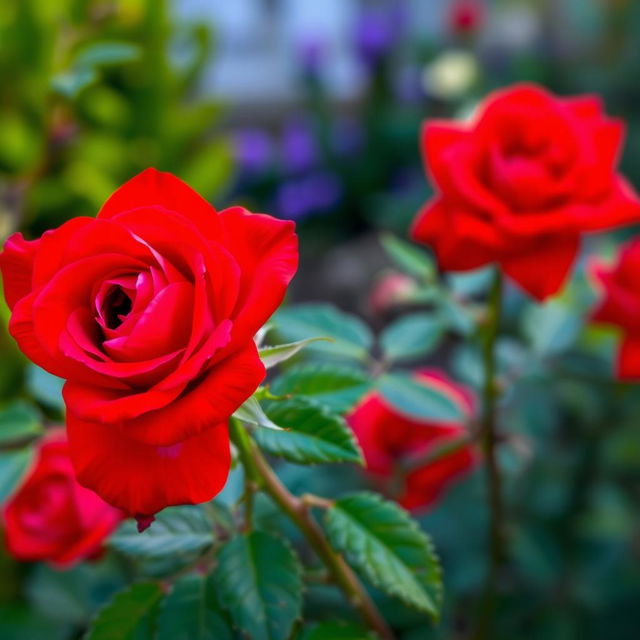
x,y
44,387
313,435
412,336
188,613
252,413
14,464
419,400
551,328
351,337
332,385
129,615
100,54
337,631
70,83
271,356
380,540
408,257
259,582
19,421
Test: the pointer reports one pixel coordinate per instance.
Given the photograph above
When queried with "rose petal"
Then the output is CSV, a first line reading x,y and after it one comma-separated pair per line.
x,y
16,264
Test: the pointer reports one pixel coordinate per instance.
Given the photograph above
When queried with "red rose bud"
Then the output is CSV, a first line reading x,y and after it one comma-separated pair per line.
x,y
391,289
619,306
391,440
51,517
520,183
466,16
149,311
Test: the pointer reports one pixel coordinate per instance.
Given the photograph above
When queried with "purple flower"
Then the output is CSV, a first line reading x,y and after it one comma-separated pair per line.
x,y
253,150
378,29
298,198
299,149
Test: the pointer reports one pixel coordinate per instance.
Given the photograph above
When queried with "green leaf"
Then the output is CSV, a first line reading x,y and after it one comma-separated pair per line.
x,y
351,337
383,543
14,464
259,581
177,538
101,54
189,613
271,356
551,328
45,387
70,83
334,386
412,336
407,257
129,616
419,400
313,434
252,413
18,422
337,631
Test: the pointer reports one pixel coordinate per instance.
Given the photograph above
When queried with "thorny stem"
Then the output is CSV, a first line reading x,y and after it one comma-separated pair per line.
x,y
299,511
488,438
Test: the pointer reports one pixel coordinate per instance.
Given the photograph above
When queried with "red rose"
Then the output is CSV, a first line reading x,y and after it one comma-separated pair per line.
x,y
149,312
51,517
466,16
620,306
520,183
390,439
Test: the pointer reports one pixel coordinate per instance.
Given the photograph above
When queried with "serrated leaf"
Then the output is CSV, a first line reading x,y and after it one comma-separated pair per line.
x,y
189,613
331,385
129,615
419,399
407,257
337,631
312,435
383,543
14,465
177,538
252,412
351,337
18,422
412,336
259,582
271,356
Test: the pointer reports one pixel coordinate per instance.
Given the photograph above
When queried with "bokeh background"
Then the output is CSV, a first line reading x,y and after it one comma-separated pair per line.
x,y
310,111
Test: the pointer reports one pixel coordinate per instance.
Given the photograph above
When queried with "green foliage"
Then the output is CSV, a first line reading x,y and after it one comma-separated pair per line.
x,y
259,582
129,616
14,464
311,434
272,356
351,338
18,422
337,631
335,386
385,545
251,412
45,388
412,336
190,612
176,539
419,400
408,257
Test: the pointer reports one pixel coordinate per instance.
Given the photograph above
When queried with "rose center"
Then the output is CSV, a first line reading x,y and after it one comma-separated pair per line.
x,y
116,307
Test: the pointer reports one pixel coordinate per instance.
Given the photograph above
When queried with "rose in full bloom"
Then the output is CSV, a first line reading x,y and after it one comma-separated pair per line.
x,y
619,306
391,440
149,312
520,183
51,517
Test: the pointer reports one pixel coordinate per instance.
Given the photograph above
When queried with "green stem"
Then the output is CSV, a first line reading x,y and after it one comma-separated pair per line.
x,y
299,512
484,629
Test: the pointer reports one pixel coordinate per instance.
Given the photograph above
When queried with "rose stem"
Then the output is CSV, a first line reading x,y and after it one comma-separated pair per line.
x,y
299,512
488,438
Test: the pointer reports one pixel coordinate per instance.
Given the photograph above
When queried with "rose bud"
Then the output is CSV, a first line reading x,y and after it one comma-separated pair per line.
x,y
520,183
619,306
392,289
51,517
466,16
149,311
394,444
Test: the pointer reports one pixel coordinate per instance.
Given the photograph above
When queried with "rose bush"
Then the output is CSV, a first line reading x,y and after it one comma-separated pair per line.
x,y
520,183
149,312
392,441
619,306
51,517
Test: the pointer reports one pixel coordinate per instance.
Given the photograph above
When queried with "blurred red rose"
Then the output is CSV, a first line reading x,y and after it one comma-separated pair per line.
x,y
466,16
390,439
51,517
521,182
620,306
149,313
392,289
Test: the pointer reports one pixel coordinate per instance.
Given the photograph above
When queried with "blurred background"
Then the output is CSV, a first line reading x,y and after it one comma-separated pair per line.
x,y
310,111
